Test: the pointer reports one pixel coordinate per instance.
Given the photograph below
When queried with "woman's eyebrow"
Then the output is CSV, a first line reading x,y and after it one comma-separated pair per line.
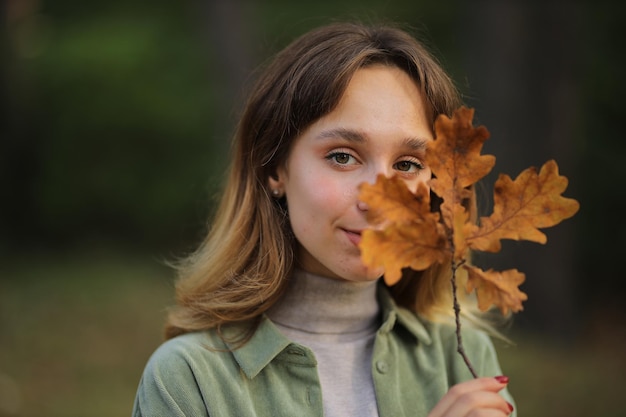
x,y
348,134
351,135
416,144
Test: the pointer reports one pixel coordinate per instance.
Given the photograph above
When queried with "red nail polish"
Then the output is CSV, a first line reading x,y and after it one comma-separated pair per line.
x,y
502,379
510,407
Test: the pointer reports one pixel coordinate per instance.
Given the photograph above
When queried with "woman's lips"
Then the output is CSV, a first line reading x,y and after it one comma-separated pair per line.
x,y
354,236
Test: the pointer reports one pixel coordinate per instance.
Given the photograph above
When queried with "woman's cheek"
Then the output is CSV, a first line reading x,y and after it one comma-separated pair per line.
x,y
326,191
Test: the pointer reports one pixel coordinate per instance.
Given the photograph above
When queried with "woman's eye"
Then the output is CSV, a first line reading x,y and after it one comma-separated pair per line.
x,y
408,166
341,158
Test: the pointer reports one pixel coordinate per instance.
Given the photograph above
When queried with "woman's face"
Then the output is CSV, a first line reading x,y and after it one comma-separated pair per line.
x,y
379,127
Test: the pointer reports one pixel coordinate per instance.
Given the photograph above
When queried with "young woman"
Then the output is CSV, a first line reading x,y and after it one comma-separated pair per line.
x,y
276,315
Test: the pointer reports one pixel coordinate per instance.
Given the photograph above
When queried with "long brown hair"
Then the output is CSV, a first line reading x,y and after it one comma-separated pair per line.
x,y
240,269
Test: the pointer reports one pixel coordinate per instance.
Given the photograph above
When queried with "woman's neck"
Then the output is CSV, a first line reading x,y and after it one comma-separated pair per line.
x,y
320,305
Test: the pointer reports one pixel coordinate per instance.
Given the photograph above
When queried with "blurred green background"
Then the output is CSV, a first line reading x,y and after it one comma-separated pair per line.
x,y
116,118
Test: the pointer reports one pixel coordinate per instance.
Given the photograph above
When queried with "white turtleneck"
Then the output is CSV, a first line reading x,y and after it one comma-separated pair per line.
x,y
337,320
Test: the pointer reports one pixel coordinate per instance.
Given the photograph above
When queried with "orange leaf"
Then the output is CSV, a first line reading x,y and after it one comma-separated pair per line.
x,y
390,199
455,160
496,288
522,206
409,234
404,245
459,231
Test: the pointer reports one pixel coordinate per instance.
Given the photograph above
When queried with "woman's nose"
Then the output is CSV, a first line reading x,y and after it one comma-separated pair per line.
x,y
372,177
362,206
381,169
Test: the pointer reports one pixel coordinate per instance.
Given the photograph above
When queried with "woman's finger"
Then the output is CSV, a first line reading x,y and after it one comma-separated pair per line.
x,y
468,397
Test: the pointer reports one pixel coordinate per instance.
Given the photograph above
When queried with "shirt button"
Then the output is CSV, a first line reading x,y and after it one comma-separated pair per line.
x,y
382,367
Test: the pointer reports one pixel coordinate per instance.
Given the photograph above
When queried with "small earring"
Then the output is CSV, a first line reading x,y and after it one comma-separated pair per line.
x,y
275,192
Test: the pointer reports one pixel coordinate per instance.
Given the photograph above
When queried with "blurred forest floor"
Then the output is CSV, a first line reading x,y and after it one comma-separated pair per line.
x,y
77,332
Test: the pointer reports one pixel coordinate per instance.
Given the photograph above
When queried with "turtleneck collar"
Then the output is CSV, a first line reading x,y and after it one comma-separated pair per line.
x,y
320,305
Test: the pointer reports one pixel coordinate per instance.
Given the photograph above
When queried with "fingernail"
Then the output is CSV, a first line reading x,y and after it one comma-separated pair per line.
x,y
502,379
510,407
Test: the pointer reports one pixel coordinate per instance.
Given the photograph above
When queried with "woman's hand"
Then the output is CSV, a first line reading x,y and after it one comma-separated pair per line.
x,y
476,398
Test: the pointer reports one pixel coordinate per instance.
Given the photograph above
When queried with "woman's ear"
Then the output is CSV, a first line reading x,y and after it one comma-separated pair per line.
x,y
276,184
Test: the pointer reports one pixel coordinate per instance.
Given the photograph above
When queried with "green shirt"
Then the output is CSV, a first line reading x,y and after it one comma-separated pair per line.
x,y
414,364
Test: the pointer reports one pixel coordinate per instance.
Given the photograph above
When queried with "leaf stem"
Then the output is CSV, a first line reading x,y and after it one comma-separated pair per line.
x,y
457,317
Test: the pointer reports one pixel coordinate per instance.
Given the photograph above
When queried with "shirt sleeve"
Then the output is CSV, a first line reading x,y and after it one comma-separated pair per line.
x,y
168,387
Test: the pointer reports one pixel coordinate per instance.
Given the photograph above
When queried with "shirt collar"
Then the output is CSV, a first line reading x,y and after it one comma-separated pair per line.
x,y
267,341
393,314
264,345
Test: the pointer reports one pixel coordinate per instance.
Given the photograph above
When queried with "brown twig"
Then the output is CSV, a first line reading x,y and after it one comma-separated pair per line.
x,y
457,316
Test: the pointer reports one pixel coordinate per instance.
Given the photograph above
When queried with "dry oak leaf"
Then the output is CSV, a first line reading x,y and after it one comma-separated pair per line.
x,y
389,199
412,236
499,288
455,160
533,200
460,227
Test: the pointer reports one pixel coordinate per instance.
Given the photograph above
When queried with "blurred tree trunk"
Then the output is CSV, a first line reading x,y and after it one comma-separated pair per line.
x,y
19,136
522,66
232,31
5,58
229,29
